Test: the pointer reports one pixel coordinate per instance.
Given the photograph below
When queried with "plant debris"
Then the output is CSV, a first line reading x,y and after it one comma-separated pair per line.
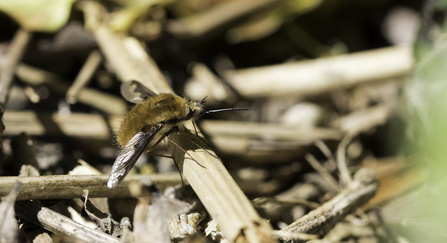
x,y
340,137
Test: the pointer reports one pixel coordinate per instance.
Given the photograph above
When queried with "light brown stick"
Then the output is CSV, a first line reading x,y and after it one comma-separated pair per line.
x,y
129,60
94,126
15,53
12,58
255,142
322,219
323,74
95,98
68,186
323,171
76,124
342,164
267,131
363,120
84,76
218,16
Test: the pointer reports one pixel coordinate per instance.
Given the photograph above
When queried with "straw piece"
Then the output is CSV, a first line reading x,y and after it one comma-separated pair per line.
x,y
84,76
323,74
322,219
72,186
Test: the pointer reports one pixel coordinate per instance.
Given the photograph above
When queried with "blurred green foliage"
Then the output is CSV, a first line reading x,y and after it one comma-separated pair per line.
x,y
427,97
38,15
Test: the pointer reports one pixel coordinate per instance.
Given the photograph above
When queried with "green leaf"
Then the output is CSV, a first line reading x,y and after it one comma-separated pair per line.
x,y
38,15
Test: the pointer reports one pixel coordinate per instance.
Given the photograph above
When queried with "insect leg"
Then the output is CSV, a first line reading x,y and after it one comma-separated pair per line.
x,y
186,152
176,165
197,134
180,172
199,146
155,144
160,155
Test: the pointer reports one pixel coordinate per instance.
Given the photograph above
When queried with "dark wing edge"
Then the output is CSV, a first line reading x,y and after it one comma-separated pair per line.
x,y
135,92
130,154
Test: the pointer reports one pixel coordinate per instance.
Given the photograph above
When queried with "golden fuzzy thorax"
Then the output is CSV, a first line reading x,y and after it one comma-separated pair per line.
x,y
163,108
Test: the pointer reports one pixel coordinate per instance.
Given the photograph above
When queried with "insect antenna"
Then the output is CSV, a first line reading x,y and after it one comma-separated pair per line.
x,y
186,152
226,109
203,100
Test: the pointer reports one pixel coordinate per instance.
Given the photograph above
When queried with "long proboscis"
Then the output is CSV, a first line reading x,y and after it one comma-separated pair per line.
x,y
226,109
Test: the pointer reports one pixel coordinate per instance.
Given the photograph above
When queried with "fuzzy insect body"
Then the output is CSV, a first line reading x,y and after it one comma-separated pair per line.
x,y
148,123
167,109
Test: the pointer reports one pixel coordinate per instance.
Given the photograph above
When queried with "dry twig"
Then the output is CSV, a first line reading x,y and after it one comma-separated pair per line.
x,y
212,19
68,186
7,68
321,75
84,76
322,219
342,164
95,98
12,58
74,125
363,120
323,171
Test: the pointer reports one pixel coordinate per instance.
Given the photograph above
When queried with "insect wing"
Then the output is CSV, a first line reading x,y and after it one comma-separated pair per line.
x,y
130,154
135,91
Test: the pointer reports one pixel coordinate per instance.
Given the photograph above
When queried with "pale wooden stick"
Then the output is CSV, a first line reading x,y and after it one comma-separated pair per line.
x,y
218,16
12,58
223,199
294,236
342,164
94,126
323,171
59,224
254,142
267,131
129,60
205,83
327,152
299,192
323,74
363,120
75,125
322,219
100,100
72,186
84,76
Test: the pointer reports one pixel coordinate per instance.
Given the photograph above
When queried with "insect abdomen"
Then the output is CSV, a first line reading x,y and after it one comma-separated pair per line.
x,y
161,108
